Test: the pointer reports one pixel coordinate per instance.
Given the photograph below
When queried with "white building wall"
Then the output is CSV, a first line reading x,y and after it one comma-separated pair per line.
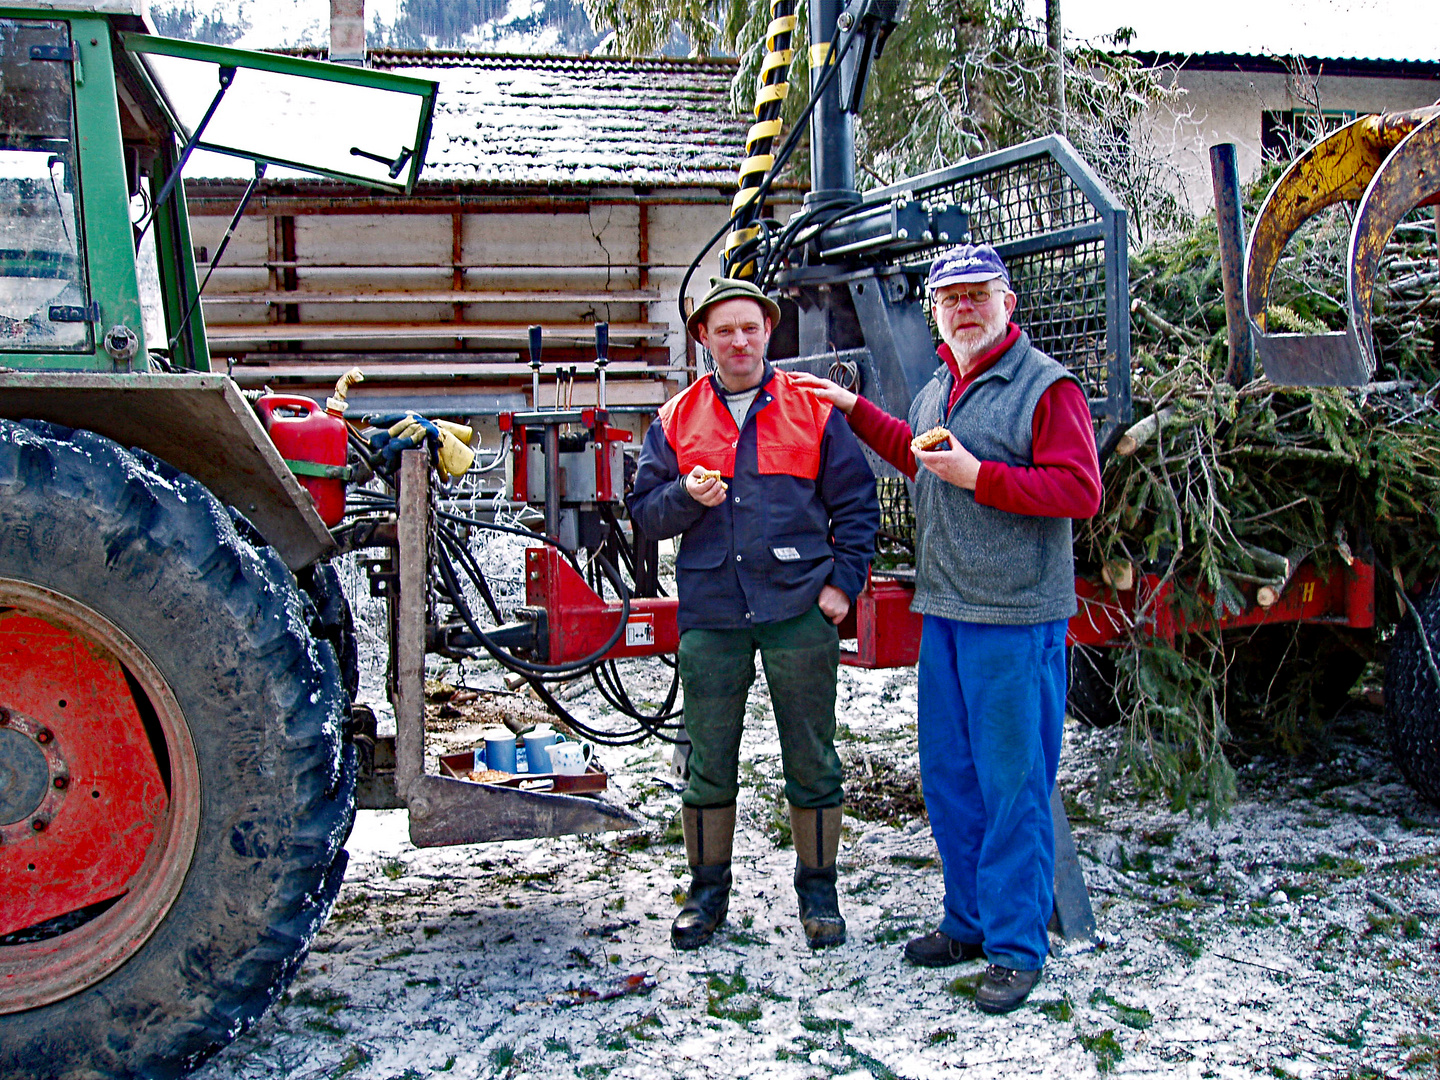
x,y
1225,106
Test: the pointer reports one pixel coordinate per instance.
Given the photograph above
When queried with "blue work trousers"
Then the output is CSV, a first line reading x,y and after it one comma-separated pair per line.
x,y
991,708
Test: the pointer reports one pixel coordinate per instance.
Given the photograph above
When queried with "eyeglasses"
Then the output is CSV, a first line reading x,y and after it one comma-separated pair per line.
x,y
975,297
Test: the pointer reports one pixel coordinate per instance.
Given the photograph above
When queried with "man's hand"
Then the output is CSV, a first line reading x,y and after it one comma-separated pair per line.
x,y
955,466
841,398
834,604
705,490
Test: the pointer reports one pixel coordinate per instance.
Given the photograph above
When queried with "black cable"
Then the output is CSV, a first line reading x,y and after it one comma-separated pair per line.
x,y
471,567
763,189
552,672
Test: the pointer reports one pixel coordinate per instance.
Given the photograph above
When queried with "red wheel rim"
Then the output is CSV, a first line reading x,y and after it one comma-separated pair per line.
x,y
104,828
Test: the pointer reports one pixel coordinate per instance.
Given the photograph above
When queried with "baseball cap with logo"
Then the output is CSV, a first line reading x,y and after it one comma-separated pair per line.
x,y
970,262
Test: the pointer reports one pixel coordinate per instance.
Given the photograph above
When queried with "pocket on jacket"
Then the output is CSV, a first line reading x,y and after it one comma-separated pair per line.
x,y
799,549
692,556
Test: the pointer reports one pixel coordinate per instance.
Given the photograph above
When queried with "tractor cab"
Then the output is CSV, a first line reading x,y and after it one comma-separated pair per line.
x,y
98,122
100,320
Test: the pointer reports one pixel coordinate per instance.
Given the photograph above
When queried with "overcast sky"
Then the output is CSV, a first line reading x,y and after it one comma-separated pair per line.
x,y
1384,29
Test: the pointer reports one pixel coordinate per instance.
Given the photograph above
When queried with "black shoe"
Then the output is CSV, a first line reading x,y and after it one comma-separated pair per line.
x,y
705,907
940,950
1004,989
819,906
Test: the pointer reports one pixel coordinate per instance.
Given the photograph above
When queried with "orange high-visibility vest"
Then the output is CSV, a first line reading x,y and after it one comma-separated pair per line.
x,y
788,430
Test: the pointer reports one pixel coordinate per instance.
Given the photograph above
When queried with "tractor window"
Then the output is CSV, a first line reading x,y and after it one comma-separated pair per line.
x,y
347,123
43,296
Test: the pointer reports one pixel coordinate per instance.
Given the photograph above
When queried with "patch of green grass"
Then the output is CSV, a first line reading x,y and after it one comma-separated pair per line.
x,y
502,1056
1426,1051
1352,1036
1061,1011
964,985
326,1027
394,869
896,931
449,1064
1381,924
1104,1046
1131,1016
1410,927
595,1071
432,981
1160,837
1181,903
919,862
639,1028
398,954
616,904
356,1057
329,1002
1334,866
944,1035
831,1024
1184,939
556,1045
720,989
674,831
431,931
635,841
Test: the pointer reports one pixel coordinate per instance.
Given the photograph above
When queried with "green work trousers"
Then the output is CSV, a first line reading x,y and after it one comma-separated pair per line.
x,y
717,667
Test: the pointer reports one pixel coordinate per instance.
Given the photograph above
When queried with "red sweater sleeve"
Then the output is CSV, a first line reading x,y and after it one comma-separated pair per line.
x,y
1065,479
887,435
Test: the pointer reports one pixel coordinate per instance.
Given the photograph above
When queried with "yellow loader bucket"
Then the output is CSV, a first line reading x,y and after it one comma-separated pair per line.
x,y
1389,164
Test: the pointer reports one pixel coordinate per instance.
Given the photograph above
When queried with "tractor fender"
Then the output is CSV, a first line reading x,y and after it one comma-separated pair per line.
x,y
198,423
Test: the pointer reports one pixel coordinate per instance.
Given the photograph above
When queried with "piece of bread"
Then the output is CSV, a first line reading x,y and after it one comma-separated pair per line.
x,y
930,440
714,474
489,776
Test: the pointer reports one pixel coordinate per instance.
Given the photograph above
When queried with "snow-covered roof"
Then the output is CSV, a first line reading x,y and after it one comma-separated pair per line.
x,y
1396,31
562,120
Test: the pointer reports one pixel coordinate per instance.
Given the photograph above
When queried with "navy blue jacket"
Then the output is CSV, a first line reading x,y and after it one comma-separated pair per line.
x,y
765,552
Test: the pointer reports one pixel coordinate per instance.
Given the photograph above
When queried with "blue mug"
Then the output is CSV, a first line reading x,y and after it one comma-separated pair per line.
x,y
500,749
537,747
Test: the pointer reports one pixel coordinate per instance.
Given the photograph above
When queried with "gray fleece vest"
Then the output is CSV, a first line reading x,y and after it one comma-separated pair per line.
x,y
976,563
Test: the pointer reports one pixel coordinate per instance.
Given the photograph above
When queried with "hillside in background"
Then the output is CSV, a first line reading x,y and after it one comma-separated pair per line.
x,y
539,26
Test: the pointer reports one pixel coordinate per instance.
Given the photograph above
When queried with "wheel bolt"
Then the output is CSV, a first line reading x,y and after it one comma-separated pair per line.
x,y
44,737
38,824
61,783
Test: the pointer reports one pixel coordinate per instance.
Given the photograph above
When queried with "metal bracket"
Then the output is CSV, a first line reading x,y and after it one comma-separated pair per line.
x,y
74,313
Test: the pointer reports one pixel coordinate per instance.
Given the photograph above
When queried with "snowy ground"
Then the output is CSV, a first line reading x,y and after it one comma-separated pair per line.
x,y
1299,937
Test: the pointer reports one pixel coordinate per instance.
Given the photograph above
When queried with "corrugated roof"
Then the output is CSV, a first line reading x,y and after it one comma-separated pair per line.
x,y
1375,30
567,120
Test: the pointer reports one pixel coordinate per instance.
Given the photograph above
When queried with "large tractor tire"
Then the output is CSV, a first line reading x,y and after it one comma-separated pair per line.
x,y
1412,698
175,789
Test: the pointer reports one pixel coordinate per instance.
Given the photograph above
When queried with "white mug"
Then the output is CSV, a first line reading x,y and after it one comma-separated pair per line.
x,y
570,758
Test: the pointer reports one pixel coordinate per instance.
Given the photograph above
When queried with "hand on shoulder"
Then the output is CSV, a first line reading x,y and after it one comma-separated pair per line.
x,y
842,399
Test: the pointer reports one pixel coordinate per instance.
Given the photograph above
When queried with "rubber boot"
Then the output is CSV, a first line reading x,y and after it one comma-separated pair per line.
x,y
709,836
817,841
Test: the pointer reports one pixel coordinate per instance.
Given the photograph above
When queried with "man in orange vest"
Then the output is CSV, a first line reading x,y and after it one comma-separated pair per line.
x,y
776,509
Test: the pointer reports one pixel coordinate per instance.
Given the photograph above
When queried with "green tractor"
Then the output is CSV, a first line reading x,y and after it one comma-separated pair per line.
x,y
176,774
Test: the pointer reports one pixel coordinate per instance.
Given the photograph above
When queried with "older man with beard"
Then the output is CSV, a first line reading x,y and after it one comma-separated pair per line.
x,y
995,584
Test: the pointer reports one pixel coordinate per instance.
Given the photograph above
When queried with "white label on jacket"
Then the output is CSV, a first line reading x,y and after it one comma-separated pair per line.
x,y
785,554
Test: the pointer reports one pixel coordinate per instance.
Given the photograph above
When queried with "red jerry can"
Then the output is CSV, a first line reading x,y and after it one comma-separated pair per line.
x,y
307,435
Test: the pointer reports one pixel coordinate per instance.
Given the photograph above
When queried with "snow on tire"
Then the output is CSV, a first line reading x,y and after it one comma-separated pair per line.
x,y
222,868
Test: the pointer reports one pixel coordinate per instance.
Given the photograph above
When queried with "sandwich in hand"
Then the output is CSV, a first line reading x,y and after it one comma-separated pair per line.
x,y
713,474
930,440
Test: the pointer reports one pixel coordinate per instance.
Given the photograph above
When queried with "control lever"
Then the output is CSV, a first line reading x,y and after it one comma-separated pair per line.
x,y
535,333
602,359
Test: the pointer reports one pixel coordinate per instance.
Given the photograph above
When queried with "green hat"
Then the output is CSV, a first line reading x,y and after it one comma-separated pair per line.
x,y
722,289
